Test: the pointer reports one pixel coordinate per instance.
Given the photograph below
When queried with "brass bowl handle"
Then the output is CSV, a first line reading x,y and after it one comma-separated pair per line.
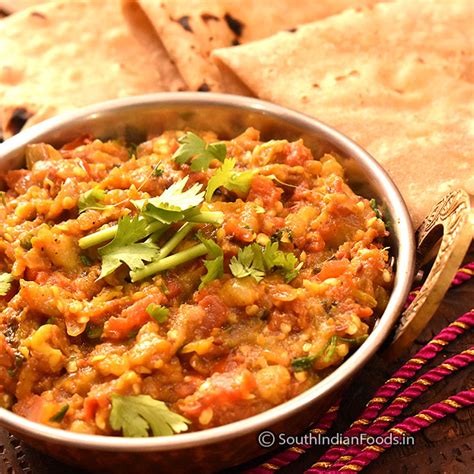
x,y
449,219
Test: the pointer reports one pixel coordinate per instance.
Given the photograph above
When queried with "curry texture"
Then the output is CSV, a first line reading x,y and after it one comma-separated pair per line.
x,y
228,349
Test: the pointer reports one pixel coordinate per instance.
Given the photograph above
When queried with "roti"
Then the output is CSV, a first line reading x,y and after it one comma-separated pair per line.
x,y
399,88
7,7
59,56
191,29
141,27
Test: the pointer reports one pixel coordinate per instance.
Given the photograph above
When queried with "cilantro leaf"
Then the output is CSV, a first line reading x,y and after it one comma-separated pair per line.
x,y
215,270
191,145
152,212
125,249
238,182
91,200
213,249
5,283
175,199
249,262
173,204
282,235
157,171
305,363
157,312
137,416
286,262
375,207
254,261
214,266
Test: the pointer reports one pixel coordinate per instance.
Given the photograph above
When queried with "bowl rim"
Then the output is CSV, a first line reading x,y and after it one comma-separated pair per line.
x,y
402,283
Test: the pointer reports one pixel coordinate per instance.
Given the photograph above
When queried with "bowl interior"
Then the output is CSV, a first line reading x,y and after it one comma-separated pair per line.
x,y
137,118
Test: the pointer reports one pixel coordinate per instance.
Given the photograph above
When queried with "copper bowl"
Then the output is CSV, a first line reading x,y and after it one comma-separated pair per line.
x,y
228,115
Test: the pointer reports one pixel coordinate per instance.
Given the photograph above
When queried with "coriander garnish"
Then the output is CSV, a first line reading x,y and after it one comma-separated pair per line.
x,y
126,248
305,363
227,177
374,206
158,313
91,200
193,146
214,265
255,261
142,416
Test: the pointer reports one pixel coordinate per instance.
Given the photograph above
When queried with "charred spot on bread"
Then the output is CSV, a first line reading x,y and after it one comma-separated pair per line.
x,y
184,22
209,17
204,87
235,25
38,15
17,120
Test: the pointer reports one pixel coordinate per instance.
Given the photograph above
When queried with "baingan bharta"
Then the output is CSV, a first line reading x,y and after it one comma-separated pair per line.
x,y
181,283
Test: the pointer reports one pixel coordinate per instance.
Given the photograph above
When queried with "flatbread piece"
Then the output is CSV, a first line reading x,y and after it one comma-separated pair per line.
x,y
64,55
191,29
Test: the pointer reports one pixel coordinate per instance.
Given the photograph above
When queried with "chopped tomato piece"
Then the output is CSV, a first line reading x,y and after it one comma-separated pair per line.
x,y
298,153
216,311
265,189
221,390
31,408
132,318
333,269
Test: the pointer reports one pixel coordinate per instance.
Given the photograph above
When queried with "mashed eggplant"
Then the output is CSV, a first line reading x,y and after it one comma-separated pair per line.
x,y
198,280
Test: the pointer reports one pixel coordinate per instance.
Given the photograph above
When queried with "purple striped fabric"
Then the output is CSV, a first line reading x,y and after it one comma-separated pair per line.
x,y
411,425
417,388
465,273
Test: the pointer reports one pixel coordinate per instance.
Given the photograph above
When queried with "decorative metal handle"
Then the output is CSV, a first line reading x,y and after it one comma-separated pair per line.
x,y
448,220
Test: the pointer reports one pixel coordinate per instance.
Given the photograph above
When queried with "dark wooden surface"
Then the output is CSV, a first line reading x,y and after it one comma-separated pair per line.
x,y
445,447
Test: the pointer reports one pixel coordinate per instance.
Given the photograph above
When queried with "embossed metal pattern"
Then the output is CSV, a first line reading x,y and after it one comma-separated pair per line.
x,y
451,215
12,456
